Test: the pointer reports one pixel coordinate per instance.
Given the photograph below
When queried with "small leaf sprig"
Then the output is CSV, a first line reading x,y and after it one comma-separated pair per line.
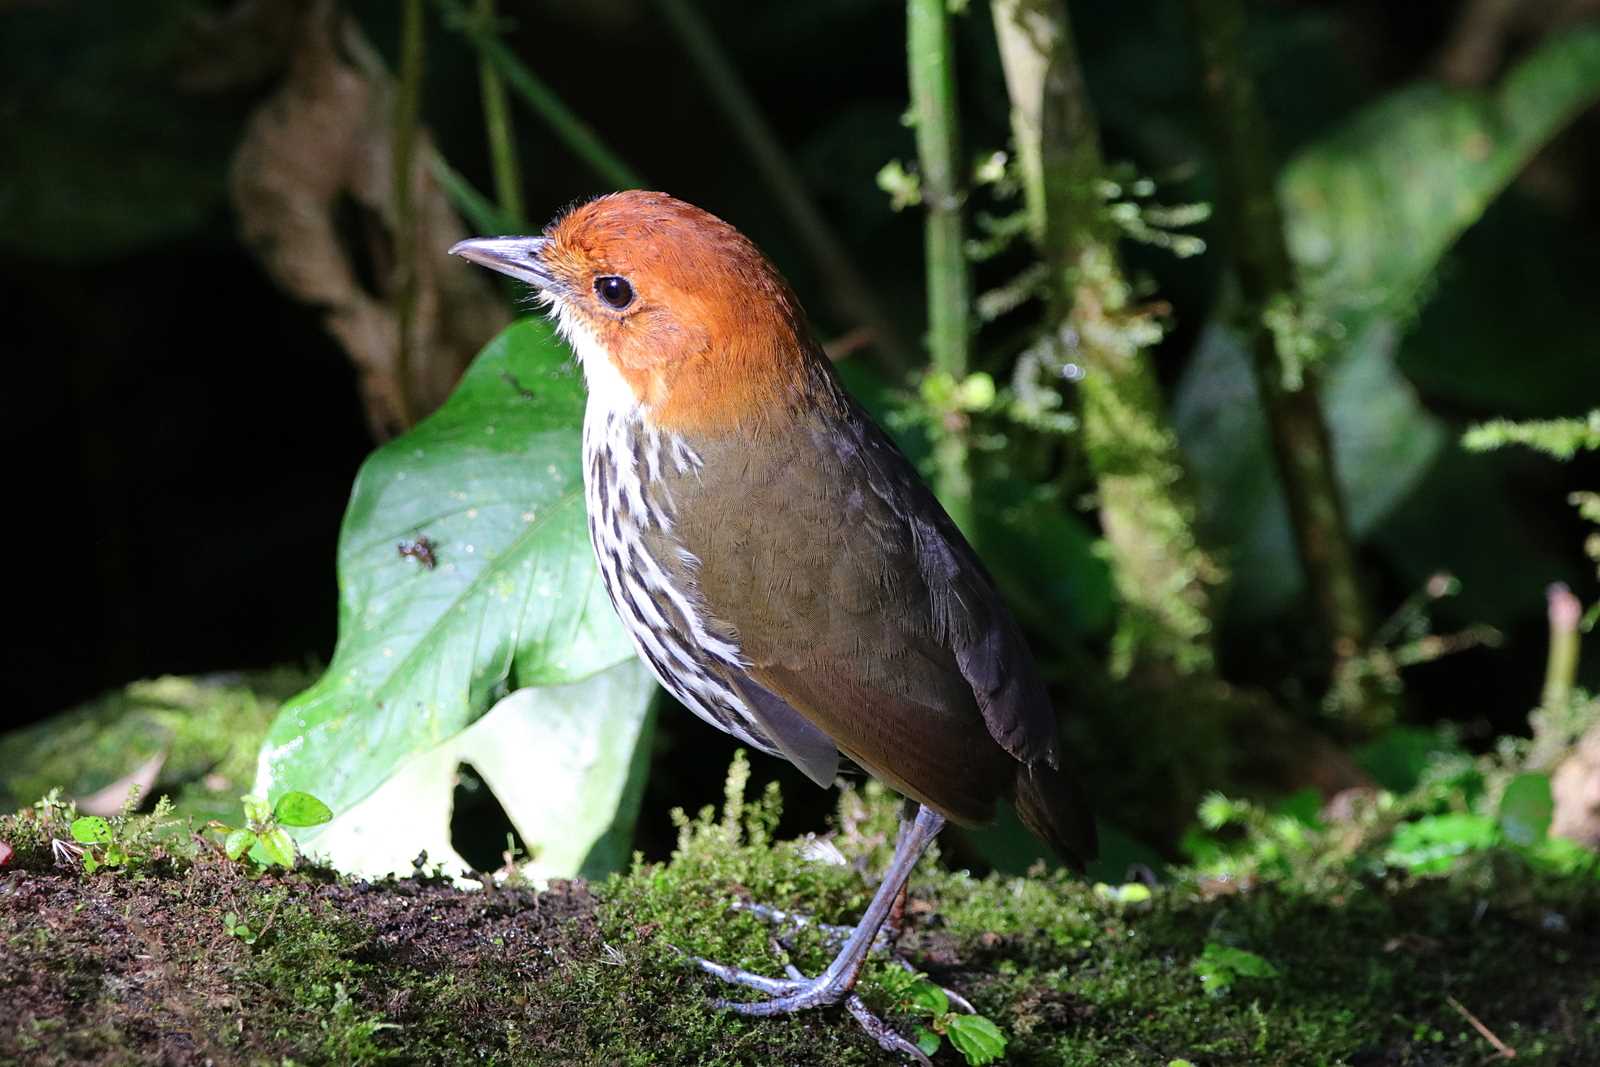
x,y
976,1037
264,826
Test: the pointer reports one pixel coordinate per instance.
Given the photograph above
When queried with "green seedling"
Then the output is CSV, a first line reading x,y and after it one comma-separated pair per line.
x,y
1219,966
122,841
976,1037
237,927
264,826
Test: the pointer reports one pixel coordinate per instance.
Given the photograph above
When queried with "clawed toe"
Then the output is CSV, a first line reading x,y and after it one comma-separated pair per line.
x,y
883,943
837,983
799,993
739,976
888,1039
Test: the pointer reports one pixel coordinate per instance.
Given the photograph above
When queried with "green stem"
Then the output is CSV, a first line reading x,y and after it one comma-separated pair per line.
x,y
407,105
1289,395
933,105
502,138
573,131
481,213
1163,575
1561,667
848,289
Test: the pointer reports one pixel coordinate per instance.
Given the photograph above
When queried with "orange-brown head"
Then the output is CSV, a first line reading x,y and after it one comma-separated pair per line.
x,y
672,311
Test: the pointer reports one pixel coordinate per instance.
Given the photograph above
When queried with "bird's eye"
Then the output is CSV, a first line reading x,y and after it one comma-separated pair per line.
x,y
615,291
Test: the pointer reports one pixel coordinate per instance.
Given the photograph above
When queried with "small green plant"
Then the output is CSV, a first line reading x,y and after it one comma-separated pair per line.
x,y
1220,966
1130,896
976,1037
124,840
237,927
264,826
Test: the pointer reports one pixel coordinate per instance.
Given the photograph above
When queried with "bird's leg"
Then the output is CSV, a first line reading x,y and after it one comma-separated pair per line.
x,y
886,941
798,993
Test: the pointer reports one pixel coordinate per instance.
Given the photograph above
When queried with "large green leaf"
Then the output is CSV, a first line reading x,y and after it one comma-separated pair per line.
x,y
567,764
499,592
1370,209
1383,442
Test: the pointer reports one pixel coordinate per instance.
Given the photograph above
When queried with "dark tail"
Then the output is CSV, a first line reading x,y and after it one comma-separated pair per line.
x,y
1052,804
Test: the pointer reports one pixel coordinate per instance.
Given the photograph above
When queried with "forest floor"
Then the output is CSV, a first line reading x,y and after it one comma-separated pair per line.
x,y
192,959
1308,946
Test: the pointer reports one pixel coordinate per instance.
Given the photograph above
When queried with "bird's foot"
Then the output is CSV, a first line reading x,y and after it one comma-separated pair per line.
x,y
799,993
883,944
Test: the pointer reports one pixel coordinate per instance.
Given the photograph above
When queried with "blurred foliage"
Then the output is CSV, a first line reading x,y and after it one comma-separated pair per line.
x,y
1372,207
1459,814
1561,438
1370,210
197,738
1384,443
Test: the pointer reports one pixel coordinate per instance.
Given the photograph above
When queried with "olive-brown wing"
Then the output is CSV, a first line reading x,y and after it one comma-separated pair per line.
x,y
815,557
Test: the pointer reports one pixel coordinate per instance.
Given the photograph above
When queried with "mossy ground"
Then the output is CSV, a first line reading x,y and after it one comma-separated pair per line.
x,y
139,966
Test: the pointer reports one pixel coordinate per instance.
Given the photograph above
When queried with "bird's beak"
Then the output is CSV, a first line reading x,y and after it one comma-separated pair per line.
x,y
517,256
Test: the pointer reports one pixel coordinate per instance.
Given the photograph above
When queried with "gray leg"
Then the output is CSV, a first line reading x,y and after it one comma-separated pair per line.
x,y
835,935
833,985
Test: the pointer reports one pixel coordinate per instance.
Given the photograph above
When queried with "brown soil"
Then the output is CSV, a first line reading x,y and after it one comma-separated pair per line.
x,y
112,969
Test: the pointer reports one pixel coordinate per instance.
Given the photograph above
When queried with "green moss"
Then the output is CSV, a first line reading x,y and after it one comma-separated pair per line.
x,y
1329,962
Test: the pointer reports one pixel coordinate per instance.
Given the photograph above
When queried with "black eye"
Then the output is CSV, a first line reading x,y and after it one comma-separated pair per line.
x,y
614,291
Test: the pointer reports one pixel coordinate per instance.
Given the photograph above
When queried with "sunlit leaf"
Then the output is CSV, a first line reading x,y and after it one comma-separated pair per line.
x,y
301,809
91,830
465,573
566,763
238,842
1433,844
278,847
976,1038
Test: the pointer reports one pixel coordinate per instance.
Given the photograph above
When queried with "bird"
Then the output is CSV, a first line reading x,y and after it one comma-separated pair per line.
x,y
775,558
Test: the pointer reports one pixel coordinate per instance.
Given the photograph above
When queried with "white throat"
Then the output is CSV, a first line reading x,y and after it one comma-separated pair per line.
x,y
609,391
